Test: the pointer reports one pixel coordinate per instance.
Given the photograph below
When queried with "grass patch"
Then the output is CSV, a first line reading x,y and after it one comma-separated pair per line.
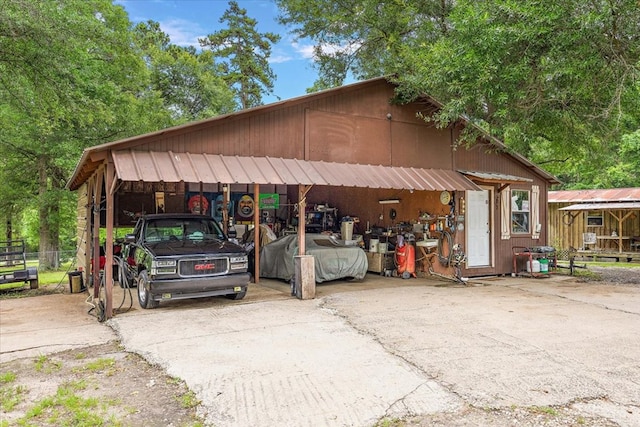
x,y
544,410
7,377
104,365
189,400
68,408
54,277
10,395
621,264
46,365
390,422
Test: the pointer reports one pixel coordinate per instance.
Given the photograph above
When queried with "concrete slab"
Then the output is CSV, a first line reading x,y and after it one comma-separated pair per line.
x,y
363,350
48,324
282,363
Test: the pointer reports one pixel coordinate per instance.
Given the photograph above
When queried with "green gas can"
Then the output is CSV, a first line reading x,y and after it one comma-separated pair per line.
x,y
544,265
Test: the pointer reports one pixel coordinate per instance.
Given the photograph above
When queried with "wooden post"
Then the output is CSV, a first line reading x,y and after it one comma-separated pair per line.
x,y
305,276
256,232
302,206
225,207
620,217
97,196
305,272
108,266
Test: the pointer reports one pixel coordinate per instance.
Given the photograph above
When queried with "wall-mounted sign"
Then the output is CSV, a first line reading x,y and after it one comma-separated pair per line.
x,y
269,201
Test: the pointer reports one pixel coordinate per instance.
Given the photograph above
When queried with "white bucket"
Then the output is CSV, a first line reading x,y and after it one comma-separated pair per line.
x,y
346,230
373,245
536,266
382,247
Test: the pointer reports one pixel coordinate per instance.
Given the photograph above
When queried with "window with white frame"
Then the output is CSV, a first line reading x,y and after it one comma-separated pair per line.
x,y
520,211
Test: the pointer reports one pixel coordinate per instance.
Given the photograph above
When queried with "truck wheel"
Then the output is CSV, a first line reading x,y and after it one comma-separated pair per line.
x,y
33,284
144,297
237,296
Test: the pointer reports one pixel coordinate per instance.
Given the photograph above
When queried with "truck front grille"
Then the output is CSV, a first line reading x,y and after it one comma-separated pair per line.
x,y
203,267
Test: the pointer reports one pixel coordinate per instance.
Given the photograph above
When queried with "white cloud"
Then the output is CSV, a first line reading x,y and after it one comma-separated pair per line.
x,y
183,32
280,58
306,50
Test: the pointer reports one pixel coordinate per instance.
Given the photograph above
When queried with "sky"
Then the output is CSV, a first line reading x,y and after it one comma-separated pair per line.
x,y
186,20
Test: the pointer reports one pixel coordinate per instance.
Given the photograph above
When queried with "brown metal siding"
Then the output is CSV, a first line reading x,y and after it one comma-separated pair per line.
x,y
420,145
349,139
481,158
347,126
352,124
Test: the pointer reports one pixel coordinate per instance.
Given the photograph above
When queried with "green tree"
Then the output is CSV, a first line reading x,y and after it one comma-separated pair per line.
x,y
243,55
69,78
557,81
363,38
189,83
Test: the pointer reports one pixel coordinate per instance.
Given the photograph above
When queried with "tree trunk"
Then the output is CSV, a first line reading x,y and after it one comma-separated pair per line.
x,y
48,213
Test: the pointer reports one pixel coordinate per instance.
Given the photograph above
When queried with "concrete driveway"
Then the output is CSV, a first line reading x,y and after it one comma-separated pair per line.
x,y
393,347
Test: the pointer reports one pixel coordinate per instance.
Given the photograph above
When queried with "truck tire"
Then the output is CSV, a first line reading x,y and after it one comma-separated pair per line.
x,y
144,297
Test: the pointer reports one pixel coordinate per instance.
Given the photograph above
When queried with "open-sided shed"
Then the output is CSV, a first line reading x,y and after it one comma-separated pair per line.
x,y
350,148
596,222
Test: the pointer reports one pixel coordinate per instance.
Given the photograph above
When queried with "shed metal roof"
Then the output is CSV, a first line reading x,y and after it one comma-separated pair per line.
x,y
592,196
602,206
153,166
495,177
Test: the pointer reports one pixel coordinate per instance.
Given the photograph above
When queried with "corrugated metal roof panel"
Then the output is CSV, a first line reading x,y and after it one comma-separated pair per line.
x,y
497,177
607,195
208,168
603,206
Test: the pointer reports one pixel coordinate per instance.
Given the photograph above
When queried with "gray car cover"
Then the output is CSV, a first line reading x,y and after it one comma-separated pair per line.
x,y
333,259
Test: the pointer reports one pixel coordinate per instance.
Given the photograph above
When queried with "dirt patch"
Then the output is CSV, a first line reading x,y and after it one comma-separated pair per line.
x,y
98,385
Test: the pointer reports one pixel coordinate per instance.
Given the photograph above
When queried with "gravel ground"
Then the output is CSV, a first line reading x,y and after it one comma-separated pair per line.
x,y
622,276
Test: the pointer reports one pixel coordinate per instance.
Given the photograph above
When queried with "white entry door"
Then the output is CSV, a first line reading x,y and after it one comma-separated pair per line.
x,y
478,230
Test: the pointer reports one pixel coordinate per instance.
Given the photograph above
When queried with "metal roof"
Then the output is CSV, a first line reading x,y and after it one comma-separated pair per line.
x,y
602,206
153,166
607,195
495,177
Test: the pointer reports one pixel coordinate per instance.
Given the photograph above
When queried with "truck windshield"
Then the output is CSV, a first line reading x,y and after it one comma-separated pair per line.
x,y
182,229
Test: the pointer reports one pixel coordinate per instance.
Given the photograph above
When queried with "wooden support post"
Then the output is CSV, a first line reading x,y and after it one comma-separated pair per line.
x,y
305,272
302,219
256,232
108,266
305,276
620,217
95,252
225,209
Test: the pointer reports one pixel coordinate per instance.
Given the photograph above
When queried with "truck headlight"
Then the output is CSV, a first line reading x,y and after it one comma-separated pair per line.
x,y
240,262
163,266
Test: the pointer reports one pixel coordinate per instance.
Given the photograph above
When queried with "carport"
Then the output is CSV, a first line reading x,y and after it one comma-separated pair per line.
x,y
104,169
314,149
